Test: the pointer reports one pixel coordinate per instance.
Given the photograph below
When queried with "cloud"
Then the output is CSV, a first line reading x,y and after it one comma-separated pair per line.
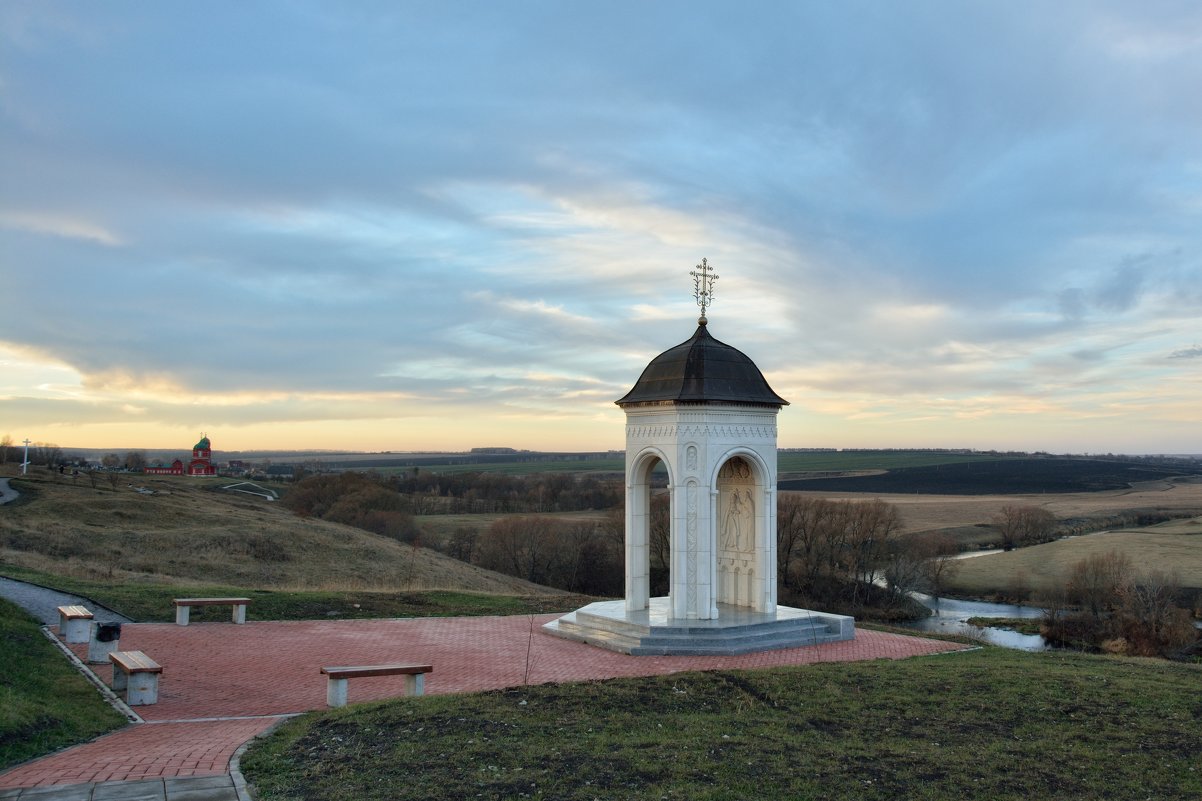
x,y
295,210
54,225
1187,353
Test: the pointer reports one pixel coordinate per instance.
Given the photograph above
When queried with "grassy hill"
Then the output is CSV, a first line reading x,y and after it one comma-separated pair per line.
x,y
189,531
990,724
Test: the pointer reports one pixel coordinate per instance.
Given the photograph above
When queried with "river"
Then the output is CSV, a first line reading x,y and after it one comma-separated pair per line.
x,y
948,616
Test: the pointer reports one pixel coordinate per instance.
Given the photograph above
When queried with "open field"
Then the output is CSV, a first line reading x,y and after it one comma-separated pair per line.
x,y
930,512
990,724
1006,476
1175,548
188,531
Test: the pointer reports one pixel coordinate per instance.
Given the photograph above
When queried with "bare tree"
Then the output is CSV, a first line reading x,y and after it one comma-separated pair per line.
x,y
812,532
462,544
1153,623
1099,582
6,444
1022,525
518,546
870,527
135,461
46,453
110,461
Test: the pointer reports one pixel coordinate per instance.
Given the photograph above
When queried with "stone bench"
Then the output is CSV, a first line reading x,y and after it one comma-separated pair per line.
x,y
415,679
183,606
74,623
136,677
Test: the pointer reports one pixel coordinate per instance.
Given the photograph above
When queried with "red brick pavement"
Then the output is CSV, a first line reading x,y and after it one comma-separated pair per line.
x,y
146,751
259,670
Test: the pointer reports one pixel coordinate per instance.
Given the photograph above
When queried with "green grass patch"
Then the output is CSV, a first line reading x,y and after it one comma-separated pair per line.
x,y
991,724
152,602
45,704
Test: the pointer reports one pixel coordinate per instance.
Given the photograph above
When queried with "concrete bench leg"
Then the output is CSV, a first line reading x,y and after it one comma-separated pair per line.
x,y
239,613
415,684
336,692
142,689
75,630
181,615
120,680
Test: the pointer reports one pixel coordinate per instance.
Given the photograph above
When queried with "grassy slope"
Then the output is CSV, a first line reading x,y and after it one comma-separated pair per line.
x,y
1175,548
151,602
991,724
189,533
44,703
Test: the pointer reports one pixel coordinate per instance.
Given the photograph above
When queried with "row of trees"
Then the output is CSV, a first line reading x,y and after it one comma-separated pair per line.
x,y
42,453
574,556
355,499
422,493
851,555
132,460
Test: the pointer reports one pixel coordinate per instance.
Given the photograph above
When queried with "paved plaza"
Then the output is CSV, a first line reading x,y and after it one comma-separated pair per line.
x,y
223,683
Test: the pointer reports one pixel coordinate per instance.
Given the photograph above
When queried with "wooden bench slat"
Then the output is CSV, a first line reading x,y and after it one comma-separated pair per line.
x,y
209,601
134,662
75,612
359,671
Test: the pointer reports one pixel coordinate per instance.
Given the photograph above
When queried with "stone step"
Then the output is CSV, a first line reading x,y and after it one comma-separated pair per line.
x,y
703,638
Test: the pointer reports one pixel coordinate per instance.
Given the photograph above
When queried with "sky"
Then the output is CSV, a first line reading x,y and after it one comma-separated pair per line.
x,y
435,226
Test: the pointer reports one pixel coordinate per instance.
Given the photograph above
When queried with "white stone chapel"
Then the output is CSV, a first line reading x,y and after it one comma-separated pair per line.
x,y
704,411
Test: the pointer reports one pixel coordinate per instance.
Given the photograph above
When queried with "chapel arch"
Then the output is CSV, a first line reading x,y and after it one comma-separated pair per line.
x,y
638,525
745,528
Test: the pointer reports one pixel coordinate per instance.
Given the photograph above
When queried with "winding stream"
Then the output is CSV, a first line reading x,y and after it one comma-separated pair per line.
x,y
948,616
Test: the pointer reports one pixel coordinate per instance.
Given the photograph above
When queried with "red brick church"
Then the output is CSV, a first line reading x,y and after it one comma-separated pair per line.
x,y
201,464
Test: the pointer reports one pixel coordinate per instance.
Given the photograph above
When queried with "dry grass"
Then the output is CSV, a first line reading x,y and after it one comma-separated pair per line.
x,y
1175,548
927,512
189,531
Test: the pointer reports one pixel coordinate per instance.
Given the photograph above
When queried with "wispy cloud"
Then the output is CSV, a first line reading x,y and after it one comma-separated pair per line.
x,y
340,222
59,226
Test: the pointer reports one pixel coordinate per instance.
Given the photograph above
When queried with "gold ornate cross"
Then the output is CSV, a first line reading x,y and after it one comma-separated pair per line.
x,y
703,287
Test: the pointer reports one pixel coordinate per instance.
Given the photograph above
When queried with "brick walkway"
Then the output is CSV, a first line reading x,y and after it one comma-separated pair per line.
x,y
222,684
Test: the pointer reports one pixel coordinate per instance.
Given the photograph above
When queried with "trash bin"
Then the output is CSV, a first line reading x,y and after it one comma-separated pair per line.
x,y
105,639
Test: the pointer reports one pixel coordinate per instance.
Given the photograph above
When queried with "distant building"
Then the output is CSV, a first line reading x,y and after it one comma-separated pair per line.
x,y
200,465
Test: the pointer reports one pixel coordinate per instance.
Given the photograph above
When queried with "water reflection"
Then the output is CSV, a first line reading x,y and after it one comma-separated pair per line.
x,y
948,616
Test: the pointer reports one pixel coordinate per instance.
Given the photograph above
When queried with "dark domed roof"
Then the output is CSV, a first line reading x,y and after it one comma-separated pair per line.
x,y
203,445
702,370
